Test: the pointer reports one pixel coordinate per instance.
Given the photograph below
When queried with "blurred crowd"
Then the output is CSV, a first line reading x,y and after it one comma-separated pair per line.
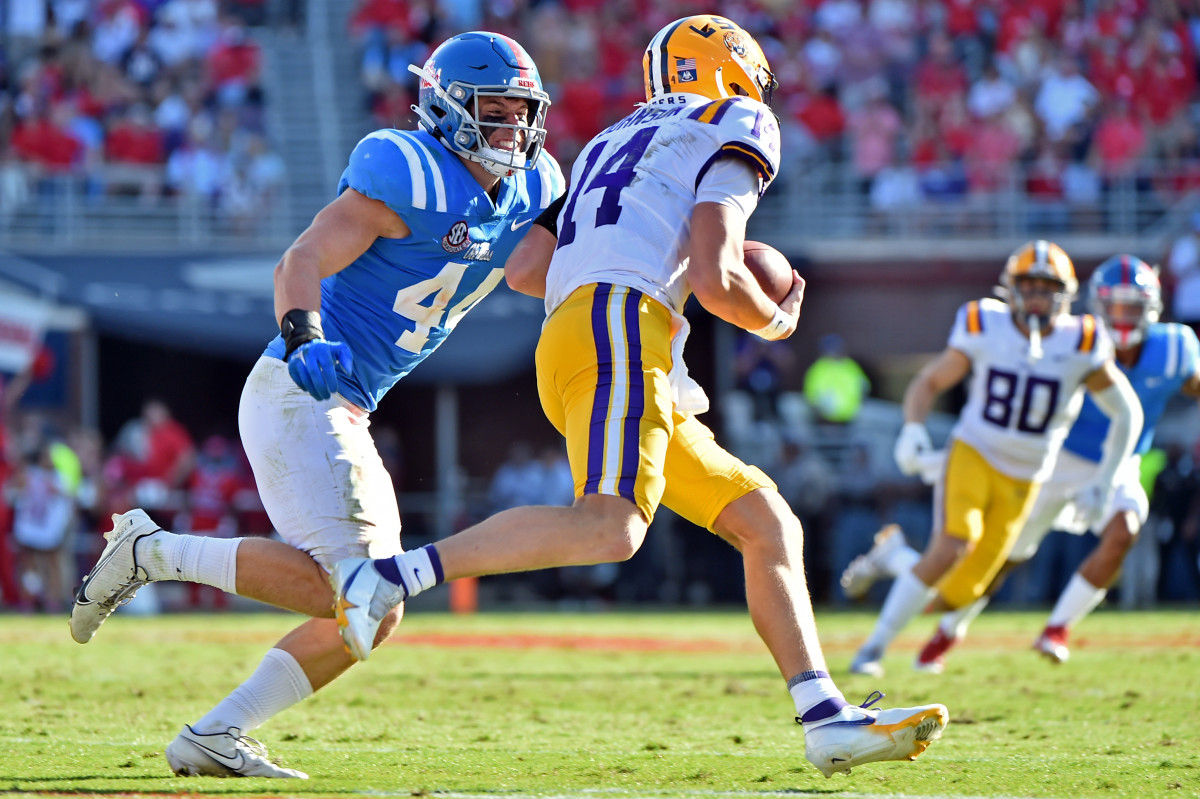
x,y
140,98
926,102
60,487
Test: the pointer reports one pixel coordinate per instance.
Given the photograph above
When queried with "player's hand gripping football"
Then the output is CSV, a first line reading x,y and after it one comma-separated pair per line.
x,y
314,364
912,445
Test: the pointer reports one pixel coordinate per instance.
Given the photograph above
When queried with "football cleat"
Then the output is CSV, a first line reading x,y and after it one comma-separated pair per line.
x,y
864,570
857,735
1053,644
868,662
223,754
362,597
932,658
115,578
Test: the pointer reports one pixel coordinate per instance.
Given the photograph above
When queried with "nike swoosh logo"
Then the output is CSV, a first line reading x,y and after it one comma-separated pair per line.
x,y
232,763
521,224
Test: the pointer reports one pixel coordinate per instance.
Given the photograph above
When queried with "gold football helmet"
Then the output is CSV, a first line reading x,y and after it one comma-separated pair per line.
x,y
707,55
1038,259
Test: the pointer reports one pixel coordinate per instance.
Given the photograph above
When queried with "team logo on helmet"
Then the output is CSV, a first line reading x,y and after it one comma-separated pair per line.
x,y
458,239
736,43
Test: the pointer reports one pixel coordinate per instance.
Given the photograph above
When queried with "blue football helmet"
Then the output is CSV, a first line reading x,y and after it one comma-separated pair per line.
x,y
458,74
1125,292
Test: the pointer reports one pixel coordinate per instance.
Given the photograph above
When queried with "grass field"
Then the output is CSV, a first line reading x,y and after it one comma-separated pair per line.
x,y
608,705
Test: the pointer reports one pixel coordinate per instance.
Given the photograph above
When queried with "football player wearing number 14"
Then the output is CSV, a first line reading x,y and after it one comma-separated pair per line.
x,y
657,211
419,233
1031,363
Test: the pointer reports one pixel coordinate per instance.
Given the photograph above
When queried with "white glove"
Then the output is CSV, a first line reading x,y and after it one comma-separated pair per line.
x,y
931,465
1093,502
911,444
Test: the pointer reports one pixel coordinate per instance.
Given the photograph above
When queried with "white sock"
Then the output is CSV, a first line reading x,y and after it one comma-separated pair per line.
x,y
906,599
901,560
415,570
955,622
191,558
1078,599
815,695
277,684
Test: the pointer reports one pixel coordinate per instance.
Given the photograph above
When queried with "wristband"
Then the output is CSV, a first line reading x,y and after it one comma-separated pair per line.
x,y
779,327
299,327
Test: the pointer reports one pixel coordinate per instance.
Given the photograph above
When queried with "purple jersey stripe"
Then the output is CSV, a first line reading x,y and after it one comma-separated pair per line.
x,y
604,379
630,439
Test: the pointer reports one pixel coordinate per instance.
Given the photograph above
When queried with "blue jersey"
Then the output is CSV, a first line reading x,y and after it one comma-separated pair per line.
x,y
400,299
1167,360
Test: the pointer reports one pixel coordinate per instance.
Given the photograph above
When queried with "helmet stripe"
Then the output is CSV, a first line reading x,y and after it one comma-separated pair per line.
x,y
660,82
1126,277
518,52
1041,258
1087,333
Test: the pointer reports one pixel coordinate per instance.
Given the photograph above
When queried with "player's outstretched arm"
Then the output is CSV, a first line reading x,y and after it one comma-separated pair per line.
x,y
1114,395
525,270
940,374
339,233
724,285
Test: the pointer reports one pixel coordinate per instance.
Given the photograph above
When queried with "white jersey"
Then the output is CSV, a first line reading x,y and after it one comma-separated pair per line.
x,y
1019,409
628,212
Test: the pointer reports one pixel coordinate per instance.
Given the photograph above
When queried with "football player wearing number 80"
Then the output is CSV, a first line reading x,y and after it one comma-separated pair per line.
x,y
1031,362
657,211
419,233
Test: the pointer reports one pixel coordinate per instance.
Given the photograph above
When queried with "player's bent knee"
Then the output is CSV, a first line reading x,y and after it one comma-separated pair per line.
x,y
760,519
611,529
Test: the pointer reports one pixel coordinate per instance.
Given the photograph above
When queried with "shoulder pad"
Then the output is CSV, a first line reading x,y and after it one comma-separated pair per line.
x,y
747,129
553,182
1088,331
398,168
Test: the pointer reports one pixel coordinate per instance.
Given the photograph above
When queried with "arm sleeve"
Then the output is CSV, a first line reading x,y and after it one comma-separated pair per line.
x,y
1124,411
549,217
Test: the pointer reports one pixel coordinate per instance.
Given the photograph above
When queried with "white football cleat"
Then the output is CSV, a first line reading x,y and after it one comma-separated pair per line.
x,y
1053,644
223,754
362,597
857,735
864,570
115,578
868,662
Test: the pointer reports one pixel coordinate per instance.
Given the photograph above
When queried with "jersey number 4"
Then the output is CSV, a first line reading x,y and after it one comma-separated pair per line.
x,y
1038,399
617,173
443,286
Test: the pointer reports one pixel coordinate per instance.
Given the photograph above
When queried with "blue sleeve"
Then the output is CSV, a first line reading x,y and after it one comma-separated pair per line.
x,y
1190,351
380,167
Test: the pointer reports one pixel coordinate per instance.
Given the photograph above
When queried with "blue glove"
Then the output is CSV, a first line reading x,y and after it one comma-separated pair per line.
x,y
314,364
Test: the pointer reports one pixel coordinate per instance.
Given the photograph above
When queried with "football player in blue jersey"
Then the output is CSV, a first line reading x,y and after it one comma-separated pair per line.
x,y
1160,360
418,234
657,211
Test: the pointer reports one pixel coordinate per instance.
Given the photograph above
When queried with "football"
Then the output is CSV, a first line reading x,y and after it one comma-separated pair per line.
x,y
770,268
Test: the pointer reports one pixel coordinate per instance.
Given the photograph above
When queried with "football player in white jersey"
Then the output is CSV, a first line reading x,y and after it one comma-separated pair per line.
x,y
1160,359
422,224
657,211
1030,362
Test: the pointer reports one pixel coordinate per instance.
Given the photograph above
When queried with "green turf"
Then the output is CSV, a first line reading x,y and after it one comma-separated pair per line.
x,y
528,717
